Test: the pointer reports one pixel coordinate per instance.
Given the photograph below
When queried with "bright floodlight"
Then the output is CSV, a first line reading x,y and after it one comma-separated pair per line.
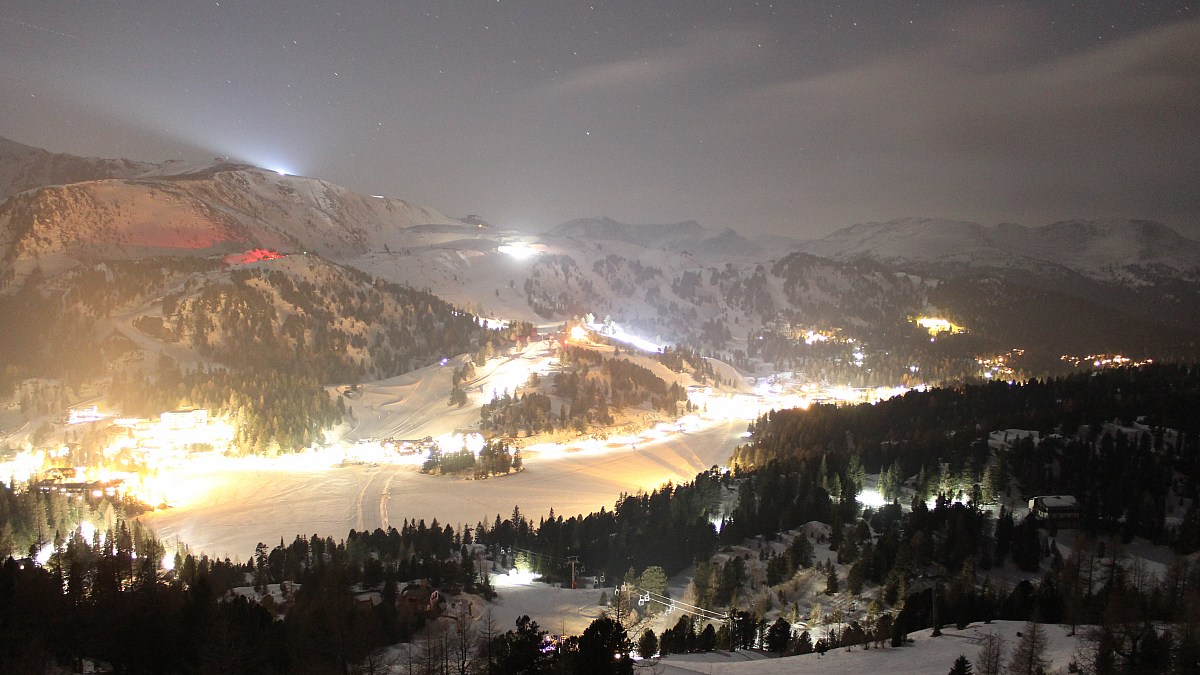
x,y
872,498
454,442
614,331
518,251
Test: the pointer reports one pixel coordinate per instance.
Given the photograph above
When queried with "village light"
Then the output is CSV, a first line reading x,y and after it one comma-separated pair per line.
x,y
937,325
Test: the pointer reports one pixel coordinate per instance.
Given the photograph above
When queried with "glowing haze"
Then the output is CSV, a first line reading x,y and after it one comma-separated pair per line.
x,y
792,117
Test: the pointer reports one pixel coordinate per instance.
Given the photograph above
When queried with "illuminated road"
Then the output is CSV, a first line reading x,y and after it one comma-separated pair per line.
x,y
235,508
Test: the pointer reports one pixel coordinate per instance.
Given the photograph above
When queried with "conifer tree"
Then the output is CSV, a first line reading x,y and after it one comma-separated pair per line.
x,y
647,645
831,579
962,666
1029,657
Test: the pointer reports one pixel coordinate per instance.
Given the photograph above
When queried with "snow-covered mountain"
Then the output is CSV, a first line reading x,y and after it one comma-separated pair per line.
x,y
607,229
686,237
908,240
202,210
715,289
1133,251
1100,248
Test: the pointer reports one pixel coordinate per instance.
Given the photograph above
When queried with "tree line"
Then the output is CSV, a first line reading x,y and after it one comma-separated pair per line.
x,y
496,458
269,409
341,326
590,387
106,600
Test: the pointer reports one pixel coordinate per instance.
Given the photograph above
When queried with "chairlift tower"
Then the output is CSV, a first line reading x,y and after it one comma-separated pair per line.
x,y
572,560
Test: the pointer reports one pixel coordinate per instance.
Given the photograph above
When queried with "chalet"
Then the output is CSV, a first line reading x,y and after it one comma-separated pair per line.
x,y
1005,439
183,420
421,598
368,599
96,488
1060,510
414,446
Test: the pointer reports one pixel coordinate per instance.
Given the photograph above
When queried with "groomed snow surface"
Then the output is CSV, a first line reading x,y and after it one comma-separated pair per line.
x,y
926,655
225,508
234,509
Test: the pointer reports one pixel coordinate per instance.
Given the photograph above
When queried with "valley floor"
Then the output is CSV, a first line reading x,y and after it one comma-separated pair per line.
x,y
231,508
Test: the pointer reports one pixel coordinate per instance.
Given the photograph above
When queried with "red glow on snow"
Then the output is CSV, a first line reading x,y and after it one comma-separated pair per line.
x,y
252,256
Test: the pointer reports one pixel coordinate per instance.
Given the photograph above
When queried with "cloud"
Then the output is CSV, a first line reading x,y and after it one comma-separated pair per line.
x,y
104,129
1138,95
982,118
977,123
698,56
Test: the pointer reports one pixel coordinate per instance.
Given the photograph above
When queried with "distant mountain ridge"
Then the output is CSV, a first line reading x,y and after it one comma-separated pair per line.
x,y
1110,249
23,167
686,236
605,228
123,207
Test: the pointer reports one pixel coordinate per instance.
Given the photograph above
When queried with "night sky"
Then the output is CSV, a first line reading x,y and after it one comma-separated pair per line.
x,y
791,117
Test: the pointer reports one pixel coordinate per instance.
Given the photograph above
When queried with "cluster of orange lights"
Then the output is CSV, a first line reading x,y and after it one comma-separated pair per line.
x,y
1103,361
252,256
999,367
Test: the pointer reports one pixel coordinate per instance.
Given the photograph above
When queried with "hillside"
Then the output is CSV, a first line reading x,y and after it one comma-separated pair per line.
x,y
216,210
684,237
261,337
1098,249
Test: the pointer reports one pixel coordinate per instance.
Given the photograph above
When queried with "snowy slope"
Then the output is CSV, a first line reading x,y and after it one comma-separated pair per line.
x,y
1098,246
909,239
924,656
201,212
687,236
565,276
607,229
1099,249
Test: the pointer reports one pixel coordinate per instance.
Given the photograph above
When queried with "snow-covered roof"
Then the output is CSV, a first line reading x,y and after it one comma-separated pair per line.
x,y
1054,502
